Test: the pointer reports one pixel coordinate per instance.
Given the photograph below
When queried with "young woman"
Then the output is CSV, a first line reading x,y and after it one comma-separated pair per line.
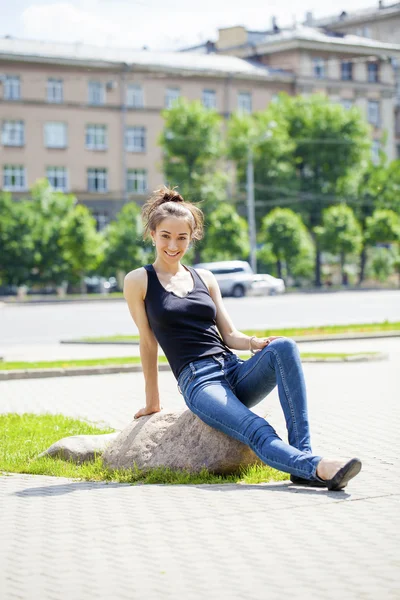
x,y
182,310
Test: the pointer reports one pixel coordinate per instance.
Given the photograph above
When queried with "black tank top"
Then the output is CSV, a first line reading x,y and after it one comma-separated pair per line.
x,y
184,327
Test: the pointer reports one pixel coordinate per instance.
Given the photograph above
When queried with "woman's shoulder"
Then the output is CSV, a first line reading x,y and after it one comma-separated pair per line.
x,y
136,281
206,276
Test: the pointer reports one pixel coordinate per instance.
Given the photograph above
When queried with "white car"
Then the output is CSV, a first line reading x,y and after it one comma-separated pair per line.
x,y
236,278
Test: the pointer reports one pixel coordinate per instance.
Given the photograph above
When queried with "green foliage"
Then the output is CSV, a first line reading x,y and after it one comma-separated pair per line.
x,y
81,245
226,236
383,226
124,249
287,239
191,142
382,263
16,242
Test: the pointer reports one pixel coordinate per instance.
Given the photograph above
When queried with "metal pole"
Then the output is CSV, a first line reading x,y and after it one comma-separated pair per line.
x,y
251,211
125,68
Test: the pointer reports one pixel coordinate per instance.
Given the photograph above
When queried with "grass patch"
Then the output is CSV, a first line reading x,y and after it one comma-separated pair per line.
x,y
25,436
287,332
135,360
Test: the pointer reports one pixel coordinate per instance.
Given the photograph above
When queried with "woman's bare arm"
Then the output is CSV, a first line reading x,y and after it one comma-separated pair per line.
x,y
135,287
231,336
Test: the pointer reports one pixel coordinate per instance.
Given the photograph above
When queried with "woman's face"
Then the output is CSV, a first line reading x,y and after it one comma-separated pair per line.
x,y
172,238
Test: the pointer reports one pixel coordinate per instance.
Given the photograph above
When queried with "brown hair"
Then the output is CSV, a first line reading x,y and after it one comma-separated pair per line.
x,y
167,202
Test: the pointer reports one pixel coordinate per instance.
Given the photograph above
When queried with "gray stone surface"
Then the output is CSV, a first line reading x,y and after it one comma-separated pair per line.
x,y
177,440
80,448
63,539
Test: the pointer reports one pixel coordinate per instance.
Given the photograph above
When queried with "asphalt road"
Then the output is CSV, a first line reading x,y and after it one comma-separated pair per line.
x,y
49,323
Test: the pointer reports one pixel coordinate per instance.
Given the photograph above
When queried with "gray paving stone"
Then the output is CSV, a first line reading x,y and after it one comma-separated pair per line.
x,y
65,539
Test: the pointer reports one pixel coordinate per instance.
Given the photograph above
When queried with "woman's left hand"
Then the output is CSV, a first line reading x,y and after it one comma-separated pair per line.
x,y
258,344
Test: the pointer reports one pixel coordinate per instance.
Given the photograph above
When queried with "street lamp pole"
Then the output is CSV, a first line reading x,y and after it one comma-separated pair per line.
x,y
251,210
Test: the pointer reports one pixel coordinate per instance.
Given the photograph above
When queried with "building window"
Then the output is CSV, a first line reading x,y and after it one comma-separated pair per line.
x,y
373,112
97,180
135,139
13,133
244,102
96,137
55,92
366,32
57,177
14,178
319,68
347,70
171,95
346,103
55,135
96,93
375,149
209,99
372,72
12,87
135,96
102,219
136,181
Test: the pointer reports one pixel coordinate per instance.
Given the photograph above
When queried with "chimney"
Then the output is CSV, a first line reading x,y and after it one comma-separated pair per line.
x,y
309,18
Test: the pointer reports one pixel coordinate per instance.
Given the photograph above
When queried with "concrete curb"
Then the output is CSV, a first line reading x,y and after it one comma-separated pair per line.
x,y
112,369
304,338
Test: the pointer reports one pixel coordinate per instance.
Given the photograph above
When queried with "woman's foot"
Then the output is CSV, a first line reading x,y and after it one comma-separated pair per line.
x,y
337,473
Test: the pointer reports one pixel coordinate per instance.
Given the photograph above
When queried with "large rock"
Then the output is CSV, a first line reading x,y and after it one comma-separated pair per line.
x,y
178,440
80,448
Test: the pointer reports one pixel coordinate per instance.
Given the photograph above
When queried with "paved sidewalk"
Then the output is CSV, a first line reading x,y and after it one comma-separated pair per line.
x,y
63,539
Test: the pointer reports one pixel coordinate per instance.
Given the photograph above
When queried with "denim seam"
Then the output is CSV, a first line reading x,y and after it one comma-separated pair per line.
x,y
288,396
270,349
245,441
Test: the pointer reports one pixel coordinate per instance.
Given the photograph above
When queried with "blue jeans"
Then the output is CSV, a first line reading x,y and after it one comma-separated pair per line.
x,y
221,389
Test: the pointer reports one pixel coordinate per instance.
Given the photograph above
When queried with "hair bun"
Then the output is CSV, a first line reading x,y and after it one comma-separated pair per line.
x,y
172,196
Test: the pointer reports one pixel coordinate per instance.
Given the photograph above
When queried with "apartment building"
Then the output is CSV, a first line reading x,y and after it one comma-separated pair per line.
x,y
89,118
349,69
379,22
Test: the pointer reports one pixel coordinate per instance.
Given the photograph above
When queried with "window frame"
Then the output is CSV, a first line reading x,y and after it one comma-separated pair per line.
x,y
14,188
241,107
207,93
346,64
132,177
319,63
58,188
101,89
372,76
92,129
130,94
93,173
373,116
57,85
19,124
169,101
132,135
59,146
12,82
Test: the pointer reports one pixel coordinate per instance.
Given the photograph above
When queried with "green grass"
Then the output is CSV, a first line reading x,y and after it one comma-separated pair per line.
x,y
135,360
287,332
27,435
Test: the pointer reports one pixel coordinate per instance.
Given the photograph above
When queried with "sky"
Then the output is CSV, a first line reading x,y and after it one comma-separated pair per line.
x,y
157,24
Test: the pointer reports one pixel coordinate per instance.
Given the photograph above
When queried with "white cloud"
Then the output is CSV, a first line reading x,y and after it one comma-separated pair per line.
x,y
65,22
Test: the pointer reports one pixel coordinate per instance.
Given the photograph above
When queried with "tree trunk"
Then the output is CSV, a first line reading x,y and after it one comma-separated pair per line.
x,y
317,265
279,268
363,261
343,272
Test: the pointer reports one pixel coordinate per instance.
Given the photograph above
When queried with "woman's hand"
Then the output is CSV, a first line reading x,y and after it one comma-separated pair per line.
x,y
143,412
257,344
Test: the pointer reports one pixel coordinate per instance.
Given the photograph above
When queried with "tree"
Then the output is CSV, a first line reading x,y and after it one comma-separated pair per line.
x,y
383,227
329,142
17,252
340,234
191,142
124,249
287,238
80,244
226,235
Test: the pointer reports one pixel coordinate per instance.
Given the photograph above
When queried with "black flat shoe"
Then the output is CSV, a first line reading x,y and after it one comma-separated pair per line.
x,y
307,482
343,476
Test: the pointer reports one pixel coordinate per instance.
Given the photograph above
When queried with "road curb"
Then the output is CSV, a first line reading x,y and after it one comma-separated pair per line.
x,y
304,338
113,369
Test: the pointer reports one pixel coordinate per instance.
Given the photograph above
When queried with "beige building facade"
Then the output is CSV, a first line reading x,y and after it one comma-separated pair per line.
x,y
89,118
91,124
